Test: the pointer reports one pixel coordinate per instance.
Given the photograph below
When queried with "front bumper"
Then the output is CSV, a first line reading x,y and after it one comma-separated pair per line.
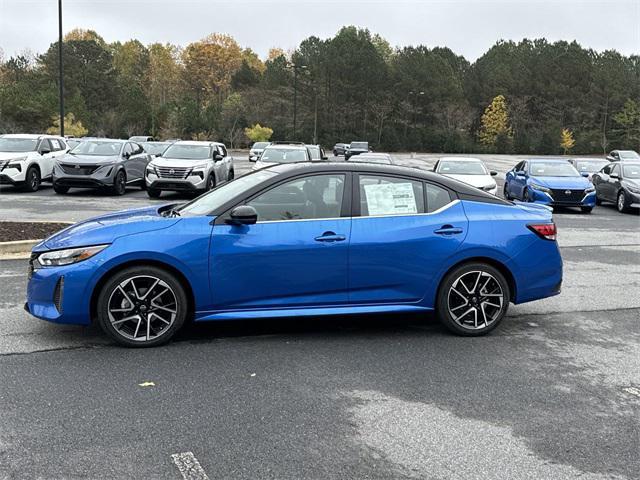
x,y
558,198
101,177
12,176
176,185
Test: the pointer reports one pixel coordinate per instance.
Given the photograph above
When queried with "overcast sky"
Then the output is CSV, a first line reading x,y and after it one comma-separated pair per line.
x,y
468,27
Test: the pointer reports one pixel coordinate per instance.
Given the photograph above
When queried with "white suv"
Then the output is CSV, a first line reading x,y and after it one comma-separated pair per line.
x,y
189,166
27,160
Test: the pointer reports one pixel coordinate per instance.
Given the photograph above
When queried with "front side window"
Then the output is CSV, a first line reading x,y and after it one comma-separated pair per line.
x,y
55,145
616,169
607,170
381,195
313,197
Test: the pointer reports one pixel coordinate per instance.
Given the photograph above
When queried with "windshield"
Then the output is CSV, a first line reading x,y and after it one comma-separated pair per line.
x,y
629,155
259,145
18,144
631,171
553,169
314,152
461,167
188,152
225,192
284,155
360,145
590,166
154,148
89,147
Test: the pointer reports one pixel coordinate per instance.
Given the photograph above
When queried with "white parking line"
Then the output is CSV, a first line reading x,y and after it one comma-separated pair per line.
x,y
189,466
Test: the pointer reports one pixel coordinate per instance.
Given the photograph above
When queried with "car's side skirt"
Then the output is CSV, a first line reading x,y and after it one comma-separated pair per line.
x,y
308,312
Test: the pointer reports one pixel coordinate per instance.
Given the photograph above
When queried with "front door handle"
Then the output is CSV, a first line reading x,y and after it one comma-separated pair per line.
x,y
448,230
330,237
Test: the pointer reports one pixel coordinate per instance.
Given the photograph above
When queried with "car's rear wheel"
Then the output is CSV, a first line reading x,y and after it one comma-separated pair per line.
x,y
622,203
60,189
473,299
153,193
120,183
32,180
142,307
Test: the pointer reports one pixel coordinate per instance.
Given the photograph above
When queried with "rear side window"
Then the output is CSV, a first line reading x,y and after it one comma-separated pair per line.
x,y
382,195
437,197
55,145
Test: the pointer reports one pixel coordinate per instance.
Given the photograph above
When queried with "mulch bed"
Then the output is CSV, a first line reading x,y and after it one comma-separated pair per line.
x,y
12,231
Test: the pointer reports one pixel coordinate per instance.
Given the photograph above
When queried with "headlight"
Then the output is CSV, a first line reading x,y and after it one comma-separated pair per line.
x,y
633,189
68,256
535,186
152,169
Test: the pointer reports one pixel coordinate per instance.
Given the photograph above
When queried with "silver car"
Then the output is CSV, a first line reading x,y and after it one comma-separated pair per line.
x,y
189,166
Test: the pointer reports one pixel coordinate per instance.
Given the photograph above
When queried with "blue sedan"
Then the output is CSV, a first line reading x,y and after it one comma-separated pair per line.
x,y
553,182
300,239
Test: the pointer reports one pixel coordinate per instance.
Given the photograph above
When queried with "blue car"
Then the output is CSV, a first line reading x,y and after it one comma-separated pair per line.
x,y
552,182
301,239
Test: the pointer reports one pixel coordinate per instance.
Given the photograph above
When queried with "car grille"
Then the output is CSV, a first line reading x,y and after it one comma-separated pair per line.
x,y
173,172
79,169
560,195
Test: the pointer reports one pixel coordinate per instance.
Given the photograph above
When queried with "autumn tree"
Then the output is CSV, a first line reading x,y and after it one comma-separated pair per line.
x,y
567,141
72,126
258,133
495,122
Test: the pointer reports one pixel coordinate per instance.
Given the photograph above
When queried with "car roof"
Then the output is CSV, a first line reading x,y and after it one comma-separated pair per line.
x,y
196,143
547,159
466,159
29,135
110,140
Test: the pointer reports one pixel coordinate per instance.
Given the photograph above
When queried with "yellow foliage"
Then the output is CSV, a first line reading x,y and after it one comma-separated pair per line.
x,y
258,133
71,126
566,140
211,62
495,121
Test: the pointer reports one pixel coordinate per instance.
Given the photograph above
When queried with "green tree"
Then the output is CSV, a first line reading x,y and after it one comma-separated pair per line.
x,y
258,133
628,121
495,122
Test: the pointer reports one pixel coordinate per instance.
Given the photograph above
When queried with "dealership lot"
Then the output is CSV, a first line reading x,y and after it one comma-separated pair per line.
x,y
553,393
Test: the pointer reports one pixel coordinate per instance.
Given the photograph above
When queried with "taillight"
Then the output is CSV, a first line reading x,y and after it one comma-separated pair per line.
x,y
548,231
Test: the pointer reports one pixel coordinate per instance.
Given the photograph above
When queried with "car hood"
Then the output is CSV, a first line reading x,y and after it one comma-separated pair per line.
x,y
177,162
89,159
261,164
573,183
478,181
107,228
8,155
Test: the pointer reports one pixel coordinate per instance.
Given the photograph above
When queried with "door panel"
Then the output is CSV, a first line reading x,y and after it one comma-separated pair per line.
x,y
394,258
279,264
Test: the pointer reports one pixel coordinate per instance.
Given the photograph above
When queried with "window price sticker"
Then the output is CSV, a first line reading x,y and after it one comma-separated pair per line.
x,y
390,198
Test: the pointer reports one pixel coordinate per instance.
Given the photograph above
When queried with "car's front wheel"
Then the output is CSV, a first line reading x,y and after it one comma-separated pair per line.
x,y
142,306
119,183
622,203
32,180
473,299
505,192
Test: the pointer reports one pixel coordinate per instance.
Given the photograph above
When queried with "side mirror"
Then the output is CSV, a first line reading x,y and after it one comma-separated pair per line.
x,y
243,215
217,157
493,173
44,151
614,175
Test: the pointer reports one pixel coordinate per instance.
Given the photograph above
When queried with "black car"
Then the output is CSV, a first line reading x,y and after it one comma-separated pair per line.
x,y
356,148
340,148
103,163
619,183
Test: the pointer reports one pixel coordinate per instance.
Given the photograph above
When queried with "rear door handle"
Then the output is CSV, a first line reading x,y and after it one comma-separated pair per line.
x,y
448,230
330,237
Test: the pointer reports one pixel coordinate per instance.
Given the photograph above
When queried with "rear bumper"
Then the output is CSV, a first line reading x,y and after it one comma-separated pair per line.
x,y
537,271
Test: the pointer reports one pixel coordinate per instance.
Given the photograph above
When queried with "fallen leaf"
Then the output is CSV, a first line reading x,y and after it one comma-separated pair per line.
x,y
147,384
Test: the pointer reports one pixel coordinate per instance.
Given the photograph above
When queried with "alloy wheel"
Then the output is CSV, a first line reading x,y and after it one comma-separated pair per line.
x,y
621,202
475,300
142,308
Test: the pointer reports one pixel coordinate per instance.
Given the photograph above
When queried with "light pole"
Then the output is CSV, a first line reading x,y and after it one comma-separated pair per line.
x,y
60,73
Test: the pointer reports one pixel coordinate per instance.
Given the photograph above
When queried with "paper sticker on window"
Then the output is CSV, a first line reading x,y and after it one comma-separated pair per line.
x,y
390,199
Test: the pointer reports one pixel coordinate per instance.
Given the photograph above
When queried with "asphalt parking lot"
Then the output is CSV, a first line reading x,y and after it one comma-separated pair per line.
x,y
553,393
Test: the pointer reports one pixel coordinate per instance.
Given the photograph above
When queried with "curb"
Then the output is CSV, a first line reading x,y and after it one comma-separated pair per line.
x,y
18,247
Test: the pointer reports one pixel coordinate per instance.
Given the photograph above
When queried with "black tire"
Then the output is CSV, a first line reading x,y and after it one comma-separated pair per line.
x,y
586,209
153,193
143,185
119,183
60,189
525,195
622,203
598,200
32,180
335,154
211,183
505,192
495,285
144,276
231,175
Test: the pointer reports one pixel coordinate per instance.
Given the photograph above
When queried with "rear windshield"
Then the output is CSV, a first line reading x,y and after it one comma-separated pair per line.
x,y
553,169
461,167
188,152
590,166
284,155
259,145
18,144
154,148
364,145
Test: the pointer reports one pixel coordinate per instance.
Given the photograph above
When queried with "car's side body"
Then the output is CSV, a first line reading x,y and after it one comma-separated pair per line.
x,y
522,182
614,184
340,148
78,170
15,166
173,174
352,261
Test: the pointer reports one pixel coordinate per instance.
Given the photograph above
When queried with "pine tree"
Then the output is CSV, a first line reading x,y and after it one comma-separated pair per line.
x,y
495,121
566,140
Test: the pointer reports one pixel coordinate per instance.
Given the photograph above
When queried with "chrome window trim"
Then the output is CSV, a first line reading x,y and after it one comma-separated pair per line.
x,y
439,210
